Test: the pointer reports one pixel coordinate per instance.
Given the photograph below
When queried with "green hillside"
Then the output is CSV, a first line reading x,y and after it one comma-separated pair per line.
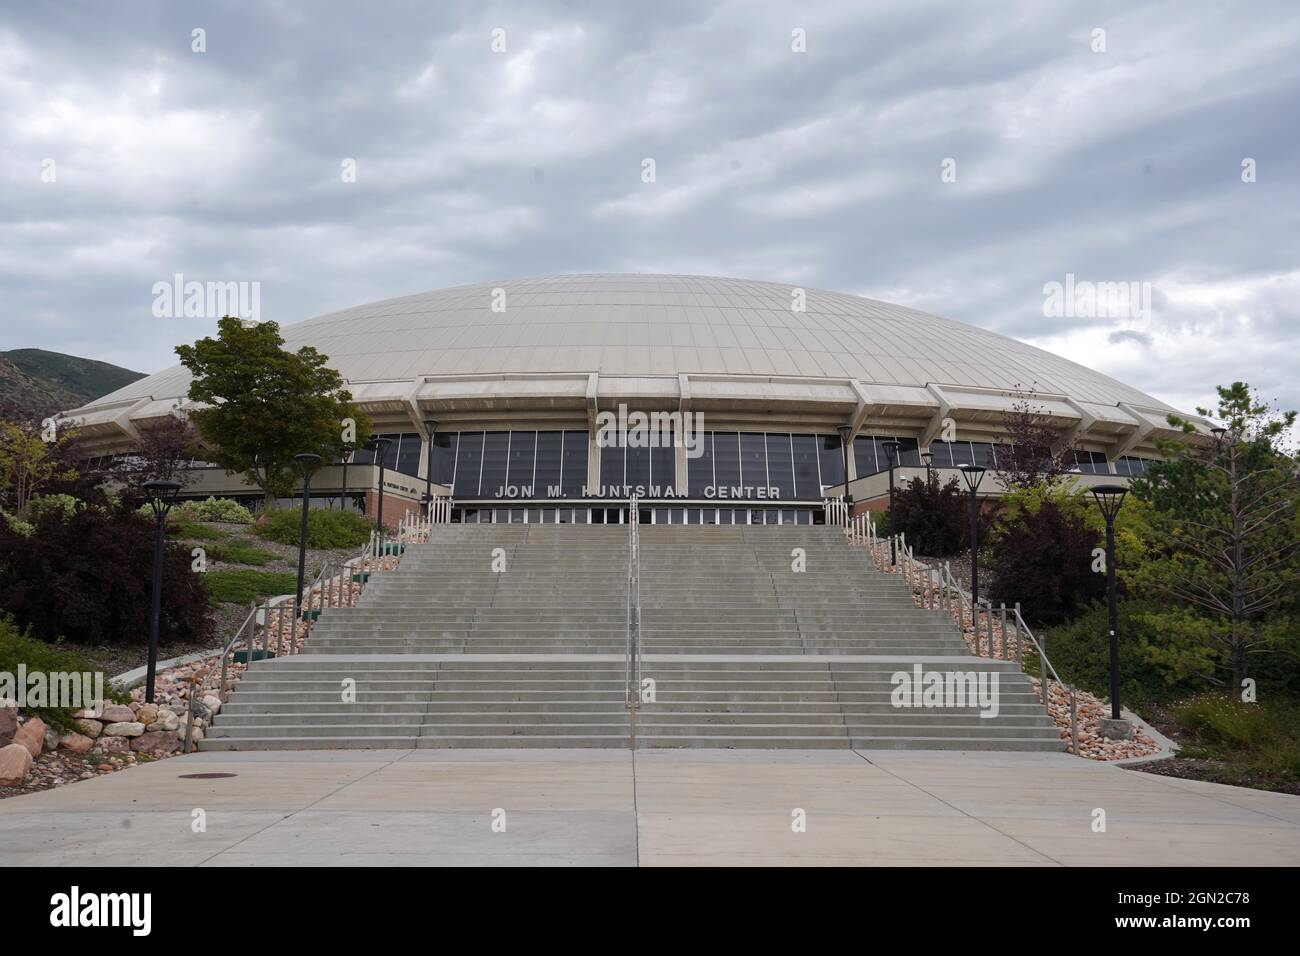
x,y
34,382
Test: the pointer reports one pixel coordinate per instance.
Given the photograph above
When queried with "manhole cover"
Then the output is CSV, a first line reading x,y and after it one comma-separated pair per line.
x,y
205,776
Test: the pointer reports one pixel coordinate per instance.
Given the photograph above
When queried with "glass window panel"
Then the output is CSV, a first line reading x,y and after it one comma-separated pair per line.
x,y
831,459
613,461
910,452
496,449
550,449
726,459
638,466
983,452
867,457
807,477
408,456
780,465
444,457
753,460
941,452
523,448
469,464
699,471
663,468
575,463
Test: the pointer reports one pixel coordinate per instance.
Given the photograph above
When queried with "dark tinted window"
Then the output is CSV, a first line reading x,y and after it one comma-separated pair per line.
x,y
469,464
832,460
444,457
726,459
753,461
550,448
575,463
523,448
780,466
699,471
807,479
495,450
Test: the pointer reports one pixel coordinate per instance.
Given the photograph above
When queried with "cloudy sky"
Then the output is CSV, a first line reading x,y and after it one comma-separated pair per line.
x,y
955,157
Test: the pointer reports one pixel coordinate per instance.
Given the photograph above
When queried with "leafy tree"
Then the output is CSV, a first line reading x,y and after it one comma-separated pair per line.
x,y
1035,453
84,577
935,518
27,463
163,452
265,404
1224,528
1042,552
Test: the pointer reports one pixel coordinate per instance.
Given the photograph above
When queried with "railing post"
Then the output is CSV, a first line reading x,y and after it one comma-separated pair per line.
x,y
1074,722
1020,644
1002,608
1042,669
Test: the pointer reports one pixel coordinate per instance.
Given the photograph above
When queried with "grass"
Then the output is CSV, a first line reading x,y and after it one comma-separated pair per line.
x,y
242,586
239,552
1258,741
187,530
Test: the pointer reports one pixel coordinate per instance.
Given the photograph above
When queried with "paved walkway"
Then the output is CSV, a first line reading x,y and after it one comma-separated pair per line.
x,y
666,807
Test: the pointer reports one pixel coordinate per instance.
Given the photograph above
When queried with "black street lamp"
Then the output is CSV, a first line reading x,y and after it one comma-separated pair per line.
x,y
1109,499
343,496
927,458
431,427
162,495
308,463
973,475
380,447
844,431
891,455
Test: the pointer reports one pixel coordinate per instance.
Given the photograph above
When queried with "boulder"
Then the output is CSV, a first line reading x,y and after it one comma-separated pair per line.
x,y
52,738
166,721
124,728
117,713
213,703
32,736
147,713
113,745
15,761
157,742
77,743
8,724
89,727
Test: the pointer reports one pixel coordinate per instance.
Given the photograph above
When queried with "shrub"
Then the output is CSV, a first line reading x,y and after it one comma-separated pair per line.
x,y
17,648
86,578
1261,737
224,510
325,528
243,586
192,531
16,525
934,517
1153,664
65,505
239,552
1041,554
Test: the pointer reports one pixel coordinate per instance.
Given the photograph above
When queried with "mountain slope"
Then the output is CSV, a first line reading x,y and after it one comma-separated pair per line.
x,y
36,383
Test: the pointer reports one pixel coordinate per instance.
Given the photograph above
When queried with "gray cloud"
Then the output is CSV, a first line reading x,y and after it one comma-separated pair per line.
x,y
821,168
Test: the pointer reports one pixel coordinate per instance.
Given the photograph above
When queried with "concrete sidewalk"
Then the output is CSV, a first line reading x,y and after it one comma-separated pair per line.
x,y
665,807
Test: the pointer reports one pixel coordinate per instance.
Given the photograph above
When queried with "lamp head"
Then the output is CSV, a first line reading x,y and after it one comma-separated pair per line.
x,y
891,450
162,494
1109,498
972,475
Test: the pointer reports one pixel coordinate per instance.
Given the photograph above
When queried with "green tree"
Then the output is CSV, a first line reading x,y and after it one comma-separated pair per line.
x,y
27,463
1223,529
264,404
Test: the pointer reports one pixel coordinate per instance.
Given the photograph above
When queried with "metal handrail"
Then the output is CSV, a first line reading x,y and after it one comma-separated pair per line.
x,y
940,590
633,675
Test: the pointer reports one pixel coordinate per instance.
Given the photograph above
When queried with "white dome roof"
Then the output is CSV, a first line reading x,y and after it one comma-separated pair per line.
x,y
665,325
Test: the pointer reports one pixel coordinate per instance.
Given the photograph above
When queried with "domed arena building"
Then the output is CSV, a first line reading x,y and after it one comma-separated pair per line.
x,y
507,398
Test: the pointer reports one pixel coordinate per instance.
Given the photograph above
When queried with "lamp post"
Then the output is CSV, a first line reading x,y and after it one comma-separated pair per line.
x,y
1109,499
431,427
844,431
891,455
162,495
927,458
380,447
973,475
343,496
308,463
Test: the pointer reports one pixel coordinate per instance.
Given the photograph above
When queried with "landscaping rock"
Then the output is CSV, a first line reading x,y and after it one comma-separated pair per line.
x,y
15,761
213,703
52,738
77,743
157,742
117,713
166,721
147,713
89,727
113,745
124,728
8,724
32,736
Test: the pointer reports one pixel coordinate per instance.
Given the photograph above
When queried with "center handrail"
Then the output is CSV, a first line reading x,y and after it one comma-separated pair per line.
x,y
633,674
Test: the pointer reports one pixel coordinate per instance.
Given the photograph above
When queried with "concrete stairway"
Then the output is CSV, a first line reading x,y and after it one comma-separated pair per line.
x,y
742,649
